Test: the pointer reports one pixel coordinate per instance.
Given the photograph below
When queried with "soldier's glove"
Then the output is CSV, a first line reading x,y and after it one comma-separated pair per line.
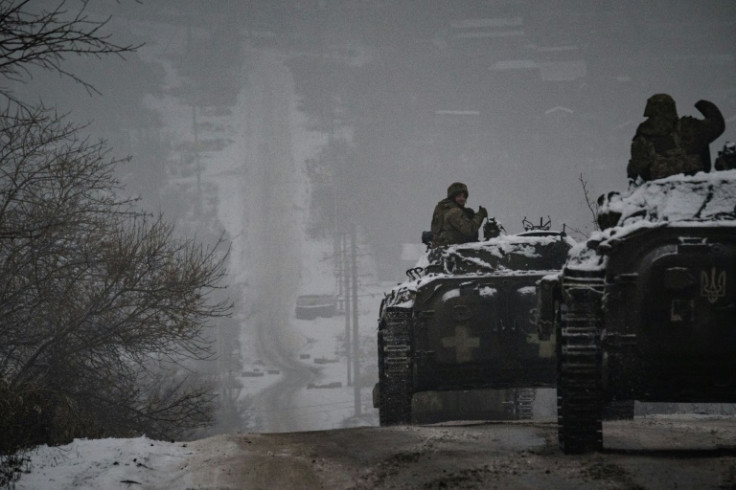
x,y
482,211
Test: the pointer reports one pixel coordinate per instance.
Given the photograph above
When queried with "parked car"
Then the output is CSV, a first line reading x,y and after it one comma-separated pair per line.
x,y
311,306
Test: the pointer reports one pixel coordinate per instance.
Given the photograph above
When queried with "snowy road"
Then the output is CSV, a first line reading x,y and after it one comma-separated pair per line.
x,y
263,201
262,211
275,255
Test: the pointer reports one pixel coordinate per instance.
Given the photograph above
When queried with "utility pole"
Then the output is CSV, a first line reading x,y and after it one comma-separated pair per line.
x,y
356,337
197,162
346,290
195,128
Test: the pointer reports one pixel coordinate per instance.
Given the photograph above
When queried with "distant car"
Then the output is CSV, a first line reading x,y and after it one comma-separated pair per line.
x,y
311,306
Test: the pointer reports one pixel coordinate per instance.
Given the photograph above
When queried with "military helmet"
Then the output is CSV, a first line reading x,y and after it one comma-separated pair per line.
x,y
661,105
456,188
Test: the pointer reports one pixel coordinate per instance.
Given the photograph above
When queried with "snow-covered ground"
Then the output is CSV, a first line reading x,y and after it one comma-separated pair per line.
x,y
675,451
107,464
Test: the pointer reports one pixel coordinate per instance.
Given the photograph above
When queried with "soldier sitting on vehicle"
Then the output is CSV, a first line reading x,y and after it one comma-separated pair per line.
x,y
727,157
666,145
452,222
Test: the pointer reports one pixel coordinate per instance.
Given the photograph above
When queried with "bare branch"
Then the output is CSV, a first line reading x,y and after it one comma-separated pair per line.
x,y
589,202
30,37
99,301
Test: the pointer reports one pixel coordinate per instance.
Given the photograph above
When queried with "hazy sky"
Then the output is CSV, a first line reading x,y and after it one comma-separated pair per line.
x,y
519,99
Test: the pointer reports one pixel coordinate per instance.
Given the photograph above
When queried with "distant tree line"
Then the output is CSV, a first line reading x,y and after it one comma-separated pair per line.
x,y
101,305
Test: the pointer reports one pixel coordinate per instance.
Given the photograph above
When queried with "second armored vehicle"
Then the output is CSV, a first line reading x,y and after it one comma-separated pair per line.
x,y
463,321
646,309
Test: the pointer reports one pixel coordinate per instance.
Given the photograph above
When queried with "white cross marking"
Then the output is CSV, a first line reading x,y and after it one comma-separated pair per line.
x,y
463,344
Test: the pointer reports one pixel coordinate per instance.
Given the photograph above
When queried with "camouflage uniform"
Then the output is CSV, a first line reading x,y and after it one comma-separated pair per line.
x,y
452,223
666,145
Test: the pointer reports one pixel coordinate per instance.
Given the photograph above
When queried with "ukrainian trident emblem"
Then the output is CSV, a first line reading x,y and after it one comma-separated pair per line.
x,y
713,286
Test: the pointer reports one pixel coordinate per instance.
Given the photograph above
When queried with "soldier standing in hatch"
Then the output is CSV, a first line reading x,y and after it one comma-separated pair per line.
x,y
452,222
666,145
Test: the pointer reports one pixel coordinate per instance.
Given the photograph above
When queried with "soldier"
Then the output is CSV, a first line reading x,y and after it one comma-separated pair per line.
x,y
666,145
656,135
452,222
727,157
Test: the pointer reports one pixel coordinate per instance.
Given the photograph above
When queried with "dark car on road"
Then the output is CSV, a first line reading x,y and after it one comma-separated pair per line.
x,y
311,306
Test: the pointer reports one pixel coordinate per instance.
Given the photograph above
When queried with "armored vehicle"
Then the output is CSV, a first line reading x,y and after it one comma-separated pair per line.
x,y
463,321
646,308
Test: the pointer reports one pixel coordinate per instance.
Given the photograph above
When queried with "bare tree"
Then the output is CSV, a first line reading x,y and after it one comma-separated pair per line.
x,y
589,202
101,304
102,307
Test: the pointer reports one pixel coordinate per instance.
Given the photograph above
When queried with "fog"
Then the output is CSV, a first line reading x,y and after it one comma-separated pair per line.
x,y
516,98
282,122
